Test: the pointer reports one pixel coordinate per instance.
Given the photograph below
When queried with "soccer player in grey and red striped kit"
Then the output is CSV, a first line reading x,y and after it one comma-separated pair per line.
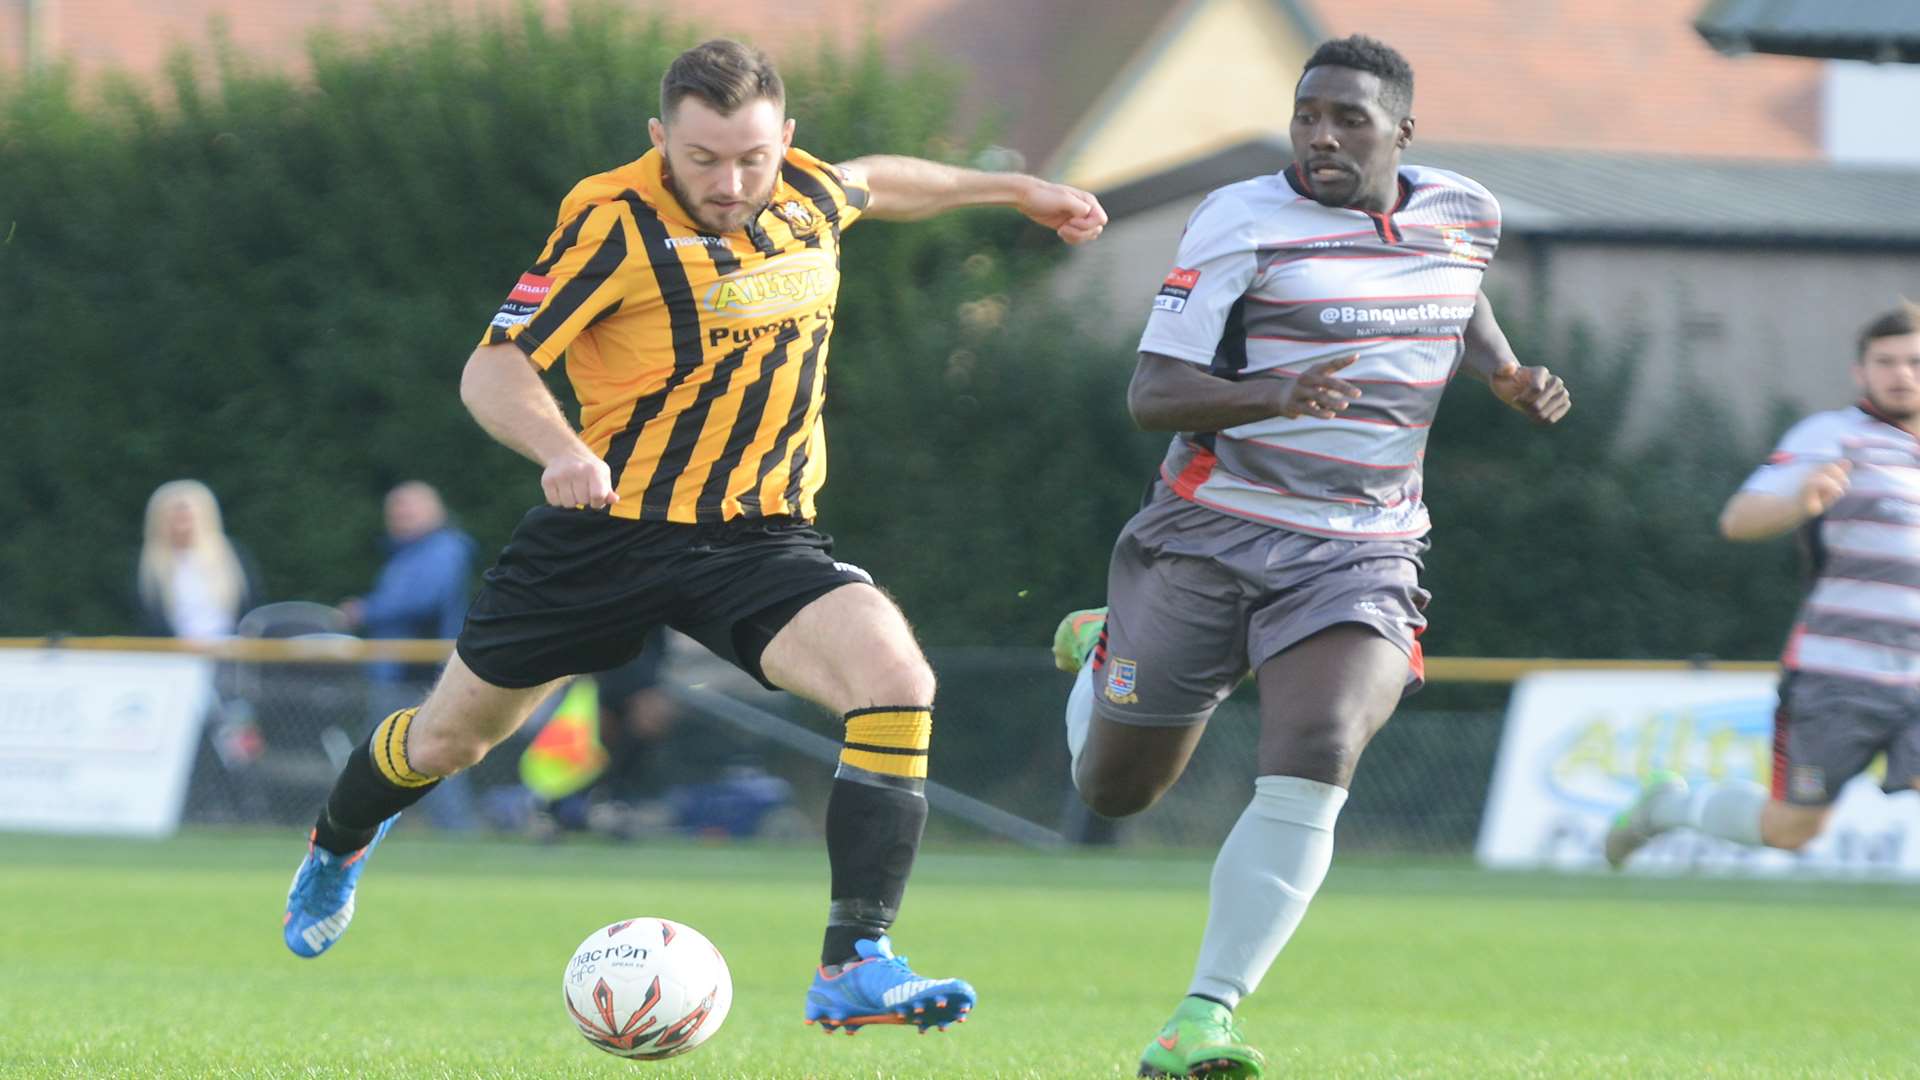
x,y
1848,481
1299,349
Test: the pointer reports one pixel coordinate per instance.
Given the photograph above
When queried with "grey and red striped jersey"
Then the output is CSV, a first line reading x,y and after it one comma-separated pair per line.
x,y
1861,619
1269,283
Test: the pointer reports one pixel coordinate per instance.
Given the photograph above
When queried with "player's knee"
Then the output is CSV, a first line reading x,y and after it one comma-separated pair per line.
x,y
901,679
1115,797
1326,753
1790,840
1793,831
1114,802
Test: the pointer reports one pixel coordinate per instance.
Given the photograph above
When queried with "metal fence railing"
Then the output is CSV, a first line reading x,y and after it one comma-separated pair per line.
x,y
287,712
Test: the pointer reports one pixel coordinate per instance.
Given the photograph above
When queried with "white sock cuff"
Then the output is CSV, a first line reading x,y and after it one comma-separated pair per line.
x,y
1731,810
1298,801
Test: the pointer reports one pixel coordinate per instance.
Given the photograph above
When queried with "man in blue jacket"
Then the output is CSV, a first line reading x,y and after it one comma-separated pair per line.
x,y
422,591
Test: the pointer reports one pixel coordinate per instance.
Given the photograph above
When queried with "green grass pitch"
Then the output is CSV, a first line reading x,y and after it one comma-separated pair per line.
x,y
125,958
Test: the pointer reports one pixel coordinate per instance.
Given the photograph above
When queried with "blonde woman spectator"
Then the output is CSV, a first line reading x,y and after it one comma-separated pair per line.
x,y
193,582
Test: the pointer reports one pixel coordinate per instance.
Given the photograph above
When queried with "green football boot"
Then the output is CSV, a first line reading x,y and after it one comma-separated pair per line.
x,y
1201,1040
1634,826
1075,637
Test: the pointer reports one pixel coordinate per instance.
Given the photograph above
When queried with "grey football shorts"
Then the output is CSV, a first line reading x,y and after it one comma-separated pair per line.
x,y
1197,599
1830,728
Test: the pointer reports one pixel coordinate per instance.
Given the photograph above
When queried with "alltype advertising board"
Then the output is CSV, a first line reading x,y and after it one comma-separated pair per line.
x,y
1578,744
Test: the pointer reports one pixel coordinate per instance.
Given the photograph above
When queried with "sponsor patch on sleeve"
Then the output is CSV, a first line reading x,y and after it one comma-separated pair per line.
x,y
1175,290
525,299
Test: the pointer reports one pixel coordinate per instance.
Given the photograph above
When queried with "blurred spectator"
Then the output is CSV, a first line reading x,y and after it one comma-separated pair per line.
x,y
193,582
422,591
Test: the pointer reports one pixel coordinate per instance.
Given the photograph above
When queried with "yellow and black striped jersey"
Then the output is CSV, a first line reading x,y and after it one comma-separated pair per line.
x,y
699,360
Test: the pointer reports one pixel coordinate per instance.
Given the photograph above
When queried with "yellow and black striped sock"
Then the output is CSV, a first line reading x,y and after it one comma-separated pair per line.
x,y
889,744
389,748
377,783
875,816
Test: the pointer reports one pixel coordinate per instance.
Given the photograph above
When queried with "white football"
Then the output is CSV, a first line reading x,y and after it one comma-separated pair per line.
x,y
647,988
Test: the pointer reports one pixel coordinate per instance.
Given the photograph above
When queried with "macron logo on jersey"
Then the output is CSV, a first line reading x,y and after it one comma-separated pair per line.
x,y
531,289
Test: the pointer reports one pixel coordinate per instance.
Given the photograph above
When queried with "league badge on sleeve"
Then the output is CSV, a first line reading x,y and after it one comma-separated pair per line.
x,y
528,294
1174,291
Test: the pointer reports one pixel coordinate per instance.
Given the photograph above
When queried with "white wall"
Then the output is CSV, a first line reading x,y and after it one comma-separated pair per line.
x,y
1870,113
1752,326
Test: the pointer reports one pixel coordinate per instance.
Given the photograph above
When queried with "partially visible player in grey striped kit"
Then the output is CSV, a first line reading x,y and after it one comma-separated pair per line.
x,y
1299,348
1848,481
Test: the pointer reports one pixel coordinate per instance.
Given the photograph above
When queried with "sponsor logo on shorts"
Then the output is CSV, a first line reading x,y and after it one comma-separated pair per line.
x,y
1808,782
849,568
1176,289
1120,682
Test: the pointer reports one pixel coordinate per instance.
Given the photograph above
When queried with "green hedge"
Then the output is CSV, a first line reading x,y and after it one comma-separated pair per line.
x,y
271,284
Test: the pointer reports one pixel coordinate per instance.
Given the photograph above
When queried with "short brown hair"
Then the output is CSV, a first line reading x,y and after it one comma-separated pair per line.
x,y
1899,322
724,74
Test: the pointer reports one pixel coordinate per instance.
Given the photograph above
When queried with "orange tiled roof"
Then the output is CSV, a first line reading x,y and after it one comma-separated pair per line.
x,y
1588,74
1033,66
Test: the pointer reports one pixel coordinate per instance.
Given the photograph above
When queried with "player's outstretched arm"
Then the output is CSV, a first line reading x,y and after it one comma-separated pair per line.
x,y
503,391
909,189
1167,394
1756,515
1487,348
1535,392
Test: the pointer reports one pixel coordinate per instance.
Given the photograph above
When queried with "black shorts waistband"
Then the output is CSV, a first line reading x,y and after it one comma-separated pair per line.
x,y
688,532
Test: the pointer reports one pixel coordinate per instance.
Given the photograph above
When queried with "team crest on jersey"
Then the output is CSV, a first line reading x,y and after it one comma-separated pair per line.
x,y
1121,676
798,215
1807,782
1460,244
1176,289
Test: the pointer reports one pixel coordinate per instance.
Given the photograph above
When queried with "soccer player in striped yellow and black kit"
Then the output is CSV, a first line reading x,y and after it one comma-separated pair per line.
x,y
693,293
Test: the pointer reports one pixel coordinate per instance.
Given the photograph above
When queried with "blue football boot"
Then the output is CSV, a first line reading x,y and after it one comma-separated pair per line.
x,y
320,903
879,988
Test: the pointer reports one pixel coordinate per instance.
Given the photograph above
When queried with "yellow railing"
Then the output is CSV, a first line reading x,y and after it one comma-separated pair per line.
x,y
313,650
1440,669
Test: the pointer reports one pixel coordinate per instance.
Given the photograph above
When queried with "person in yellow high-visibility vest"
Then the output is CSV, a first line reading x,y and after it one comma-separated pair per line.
x,y
567,756
604,735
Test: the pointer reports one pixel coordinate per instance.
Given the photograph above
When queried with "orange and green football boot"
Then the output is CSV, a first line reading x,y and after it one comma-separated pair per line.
x,y
1201,1040
1075,637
